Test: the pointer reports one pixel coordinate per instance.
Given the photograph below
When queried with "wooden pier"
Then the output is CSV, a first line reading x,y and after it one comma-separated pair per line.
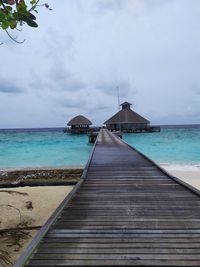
x,y
93,135
124,211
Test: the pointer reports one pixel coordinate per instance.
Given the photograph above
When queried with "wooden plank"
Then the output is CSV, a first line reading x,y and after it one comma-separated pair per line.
x,y
108,245
151,256
115,262
101,235
115,240
124,231
59,253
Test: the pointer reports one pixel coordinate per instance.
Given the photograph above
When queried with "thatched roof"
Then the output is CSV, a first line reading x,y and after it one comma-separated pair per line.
x,y
79,120
126,116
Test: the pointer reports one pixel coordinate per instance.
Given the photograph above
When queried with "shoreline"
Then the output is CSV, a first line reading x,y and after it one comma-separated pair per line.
x,y
70,175
168,165
40,176
8,169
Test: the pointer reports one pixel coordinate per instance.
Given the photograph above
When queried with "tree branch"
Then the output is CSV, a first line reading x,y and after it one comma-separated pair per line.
x,y
3,4
14,39
34,6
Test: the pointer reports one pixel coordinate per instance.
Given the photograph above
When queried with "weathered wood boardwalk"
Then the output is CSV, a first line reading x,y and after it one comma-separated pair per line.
x,y
125,211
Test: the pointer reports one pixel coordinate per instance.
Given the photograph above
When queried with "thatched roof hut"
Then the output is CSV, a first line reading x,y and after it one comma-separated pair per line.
x,y
79,120
126,119
79,124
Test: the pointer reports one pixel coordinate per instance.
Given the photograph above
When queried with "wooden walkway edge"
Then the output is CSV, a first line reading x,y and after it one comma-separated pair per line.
x,y
125,210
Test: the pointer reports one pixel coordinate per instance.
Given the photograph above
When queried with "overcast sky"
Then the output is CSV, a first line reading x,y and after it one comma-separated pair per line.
x,y
84,49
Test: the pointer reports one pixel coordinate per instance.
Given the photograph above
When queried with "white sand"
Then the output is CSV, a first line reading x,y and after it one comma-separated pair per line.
x,y
44,200
188,174
14,213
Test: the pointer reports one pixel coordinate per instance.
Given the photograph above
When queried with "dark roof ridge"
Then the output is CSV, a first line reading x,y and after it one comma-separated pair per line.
x,y
125,103
80,119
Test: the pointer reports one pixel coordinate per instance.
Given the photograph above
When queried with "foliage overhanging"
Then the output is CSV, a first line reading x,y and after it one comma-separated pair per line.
x,y
15,13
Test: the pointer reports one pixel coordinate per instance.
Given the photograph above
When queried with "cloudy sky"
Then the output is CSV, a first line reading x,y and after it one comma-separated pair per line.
x,y
83,49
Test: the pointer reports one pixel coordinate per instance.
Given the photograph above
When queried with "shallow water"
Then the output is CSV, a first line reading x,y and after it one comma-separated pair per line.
x,y
38,149
54,148
171,145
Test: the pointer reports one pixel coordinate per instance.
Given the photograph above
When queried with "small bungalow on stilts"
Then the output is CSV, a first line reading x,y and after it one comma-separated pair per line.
x,y
79,125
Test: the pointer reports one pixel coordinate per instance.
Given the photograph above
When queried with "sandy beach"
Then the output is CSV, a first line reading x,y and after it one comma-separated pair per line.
x,y
188,174
32,206
25,207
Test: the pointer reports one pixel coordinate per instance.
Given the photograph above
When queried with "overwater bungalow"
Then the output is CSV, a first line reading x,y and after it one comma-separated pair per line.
x,y
127,120
79,124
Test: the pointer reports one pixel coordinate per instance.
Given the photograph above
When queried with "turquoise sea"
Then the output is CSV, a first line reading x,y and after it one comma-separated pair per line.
x,y
21,148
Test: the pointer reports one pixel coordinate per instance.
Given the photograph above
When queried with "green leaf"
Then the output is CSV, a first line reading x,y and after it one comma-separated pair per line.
x,y
2,15
21,7
33,2
13,24
15,15
30,22
4,25
32,16
8,8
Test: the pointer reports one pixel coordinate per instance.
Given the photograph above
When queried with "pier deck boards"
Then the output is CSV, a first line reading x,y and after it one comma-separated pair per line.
x,y
125,211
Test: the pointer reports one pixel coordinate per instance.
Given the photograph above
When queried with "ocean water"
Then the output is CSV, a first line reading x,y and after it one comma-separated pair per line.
x,y
178,145
42,148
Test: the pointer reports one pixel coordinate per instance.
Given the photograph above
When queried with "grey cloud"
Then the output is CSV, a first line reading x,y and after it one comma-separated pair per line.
x,y
196,89
156,3
111,88
58,79
192,111
63,43
10,88
107,5
191,115
69,103
63,80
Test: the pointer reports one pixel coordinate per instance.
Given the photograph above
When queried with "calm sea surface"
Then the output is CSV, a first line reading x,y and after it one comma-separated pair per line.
x,y
53,148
